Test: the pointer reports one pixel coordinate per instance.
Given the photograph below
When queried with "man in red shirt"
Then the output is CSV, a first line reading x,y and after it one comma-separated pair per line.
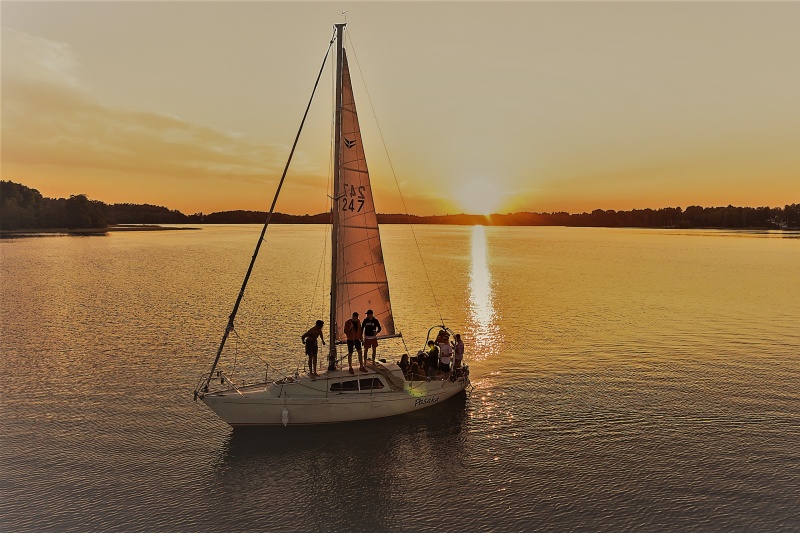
x,y
354,333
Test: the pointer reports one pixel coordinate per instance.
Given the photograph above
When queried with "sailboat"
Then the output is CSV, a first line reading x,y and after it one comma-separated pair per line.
x,y
358,282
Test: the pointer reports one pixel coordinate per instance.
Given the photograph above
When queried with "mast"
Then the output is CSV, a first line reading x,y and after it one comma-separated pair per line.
x,y
335,200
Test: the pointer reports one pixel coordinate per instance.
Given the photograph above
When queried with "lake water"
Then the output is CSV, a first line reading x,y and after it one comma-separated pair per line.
x,y
625,380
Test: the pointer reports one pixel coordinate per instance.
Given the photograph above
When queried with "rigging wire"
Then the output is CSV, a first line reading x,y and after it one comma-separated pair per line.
x,y
397,183
230,326
249,348
328,206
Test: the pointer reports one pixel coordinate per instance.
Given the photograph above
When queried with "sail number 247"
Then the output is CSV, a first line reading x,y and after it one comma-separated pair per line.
x,y
353,198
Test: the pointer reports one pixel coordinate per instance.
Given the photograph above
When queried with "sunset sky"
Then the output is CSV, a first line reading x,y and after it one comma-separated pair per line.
x,y
483,106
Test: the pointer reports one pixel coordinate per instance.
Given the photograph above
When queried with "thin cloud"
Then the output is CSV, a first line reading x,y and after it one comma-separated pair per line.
x,y
51,118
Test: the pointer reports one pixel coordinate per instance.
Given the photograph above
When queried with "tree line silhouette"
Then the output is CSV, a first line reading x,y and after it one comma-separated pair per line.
x,y
22,207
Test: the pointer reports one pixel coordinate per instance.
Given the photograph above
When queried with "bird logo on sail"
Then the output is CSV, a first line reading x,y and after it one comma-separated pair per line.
x,y
348,143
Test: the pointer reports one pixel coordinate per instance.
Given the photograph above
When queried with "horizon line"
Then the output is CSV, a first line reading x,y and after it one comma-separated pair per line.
x,y
412,214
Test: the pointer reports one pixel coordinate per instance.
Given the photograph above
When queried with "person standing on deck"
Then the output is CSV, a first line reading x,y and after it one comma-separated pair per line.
x,y
354,333
458,347
309,339
372,328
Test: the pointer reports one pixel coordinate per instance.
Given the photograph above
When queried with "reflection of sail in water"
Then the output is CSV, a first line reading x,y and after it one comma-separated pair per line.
x,y
482,313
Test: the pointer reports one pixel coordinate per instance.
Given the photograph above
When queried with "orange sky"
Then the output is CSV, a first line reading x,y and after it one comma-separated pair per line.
x,y
520,106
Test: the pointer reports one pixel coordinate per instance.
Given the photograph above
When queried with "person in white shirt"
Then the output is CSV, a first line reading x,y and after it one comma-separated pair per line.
x,y
445,355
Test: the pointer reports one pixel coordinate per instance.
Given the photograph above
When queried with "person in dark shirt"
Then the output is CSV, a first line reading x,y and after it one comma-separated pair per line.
x,y
416,372
404,364
420,359
432,359
372,328
309,339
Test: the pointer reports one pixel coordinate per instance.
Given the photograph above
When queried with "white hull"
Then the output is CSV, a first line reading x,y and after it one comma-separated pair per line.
x,y
304,401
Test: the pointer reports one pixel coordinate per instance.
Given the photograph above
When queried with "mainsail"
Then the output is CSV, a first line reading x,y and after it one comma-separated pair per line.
x,y
360,273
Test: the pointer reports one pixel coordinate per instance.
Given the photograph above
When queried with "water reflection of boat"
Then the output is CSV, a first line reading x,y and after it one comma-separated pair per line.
x,y
358,283
300,473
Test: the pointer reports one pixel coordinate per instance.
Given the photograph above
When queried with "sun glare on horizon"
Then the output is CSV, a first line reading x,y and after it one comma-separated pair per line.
x,y
479,197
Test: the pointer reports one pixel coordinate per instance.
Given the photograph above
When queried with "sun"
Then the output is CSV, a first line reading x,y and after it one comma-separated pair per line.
x,y
479,197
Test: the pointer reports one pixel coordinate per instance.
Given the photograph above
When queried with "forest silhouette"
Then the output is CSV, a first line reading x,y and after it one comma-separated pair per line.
x,y
24,208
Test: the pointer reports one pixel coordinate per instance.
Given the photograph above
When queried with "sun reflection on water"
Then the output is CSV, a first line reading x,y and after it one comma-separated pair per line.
x,y
484,330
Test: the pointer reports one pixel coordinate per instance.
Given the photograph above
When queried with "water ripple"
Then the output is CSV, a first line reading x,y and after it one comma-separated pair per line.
x,y
624,381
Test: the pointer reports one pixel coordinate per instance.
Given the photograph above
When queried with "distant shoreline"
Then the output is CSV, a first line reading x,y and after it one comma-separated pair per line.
x,y
145,228
48,232
32,232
